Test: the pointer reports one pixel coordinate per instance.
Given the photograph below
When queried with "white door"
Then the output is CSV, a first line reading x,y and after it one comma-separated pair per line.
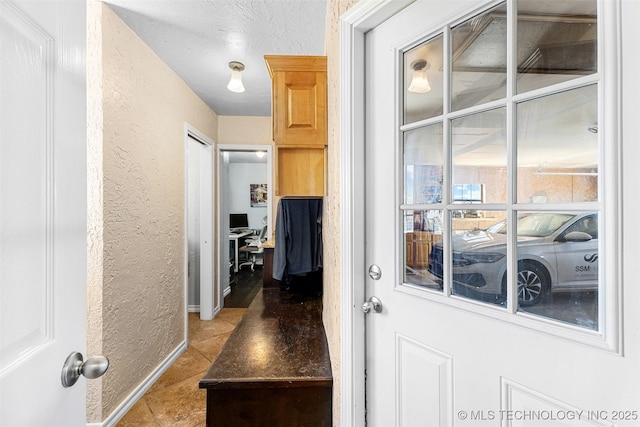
x,y
193,221
199,155
472,329
42,210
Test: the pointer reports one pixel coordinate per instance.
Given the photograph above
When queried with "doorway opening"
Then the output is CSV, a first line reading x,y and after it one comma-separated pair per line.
x,y
243,172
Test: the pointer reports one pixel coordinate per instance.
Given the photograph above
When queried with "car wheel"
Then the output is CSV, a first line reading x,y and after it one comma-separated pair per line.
x,y
532,284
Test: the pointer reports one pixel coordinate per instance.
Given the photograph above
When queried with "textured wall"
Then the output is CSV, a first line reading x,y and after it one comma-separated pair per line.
x,y
94,202
139,285
331,215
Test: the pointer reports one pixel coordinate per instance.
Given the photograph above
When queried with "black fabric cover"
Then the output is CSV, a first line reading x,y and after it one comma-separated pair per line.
x,y
298,239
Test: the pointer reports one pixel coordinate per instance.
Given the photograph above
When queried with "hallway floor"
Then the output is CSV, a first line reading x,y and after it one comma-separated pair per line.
x,y
175,399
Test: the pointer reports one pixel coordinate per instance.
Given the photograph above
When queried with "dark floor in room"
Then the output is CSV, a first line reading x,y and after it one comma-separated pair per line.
x,y
175,399
244,287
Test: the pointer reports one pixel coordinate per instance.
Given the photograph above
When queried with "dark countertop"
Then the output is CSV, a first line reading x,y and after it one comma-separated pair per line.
x,y
280,343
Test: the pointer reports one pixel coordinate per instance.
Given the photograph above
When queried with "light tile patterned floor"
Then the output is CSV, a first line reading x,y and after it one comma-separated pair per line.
x,y
175,399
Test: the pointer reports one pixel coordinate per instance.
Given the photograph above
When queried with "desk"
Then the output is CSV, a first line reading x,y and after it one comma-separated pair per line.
x,y
234,237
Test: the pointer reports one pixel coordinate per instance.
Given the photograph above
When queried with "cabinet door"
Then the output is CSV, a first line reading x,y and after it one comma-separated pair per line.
x,y
300,170
301,108
299,99
423,248
409,246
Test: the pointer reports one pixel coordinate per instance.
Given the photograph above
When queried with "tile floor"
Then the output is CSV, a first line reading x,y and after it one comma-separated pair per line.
x,y
175,399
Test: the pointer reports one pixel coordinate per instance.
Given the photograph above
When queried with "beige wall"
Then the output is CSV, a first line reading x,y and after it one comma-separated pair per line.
x,y
331,214
137,111
247,130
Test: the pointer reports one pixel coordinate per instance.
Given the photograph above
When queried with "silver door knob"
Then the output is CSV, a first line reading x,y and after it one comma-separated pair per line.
x,y
373,304
92,368
374,272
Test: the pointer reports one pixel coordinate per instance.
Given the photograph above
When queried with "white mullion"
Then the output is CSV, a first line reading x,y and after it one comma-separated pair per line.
x,y
570,84
478,207
545,207
476,109
512,164
452,115
446,164
399,172
420,207
421,123
608,297
610,305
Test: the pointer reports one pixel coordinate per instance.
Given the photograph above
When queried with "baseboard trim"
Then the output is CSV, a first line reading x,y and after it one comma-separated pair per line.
x,y
196,309
145,385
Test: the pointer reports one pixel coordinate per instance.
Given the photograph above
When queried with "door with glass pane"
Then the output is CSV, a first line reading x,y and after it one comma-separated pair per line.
x,y
486,166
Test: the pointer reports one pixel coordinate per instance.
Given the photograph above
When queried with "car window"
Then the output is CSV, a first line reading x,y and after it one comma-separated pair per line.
x,y
587,225
541,225
498,228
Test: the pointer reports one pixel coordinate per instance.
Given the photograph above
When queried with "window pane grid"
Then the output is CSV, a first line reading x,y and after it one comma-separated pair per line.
x,y
460,213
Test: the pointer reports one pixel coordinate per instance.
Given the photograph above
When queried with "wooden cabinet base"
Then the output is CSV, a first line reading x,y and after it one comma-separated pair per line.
x,y
267,270
274,370
269,407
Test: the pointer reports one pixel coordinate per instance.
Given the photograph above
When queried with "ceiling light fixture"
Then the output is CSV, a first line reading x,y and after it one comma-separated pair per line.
x,y
419,82
260,154
235,84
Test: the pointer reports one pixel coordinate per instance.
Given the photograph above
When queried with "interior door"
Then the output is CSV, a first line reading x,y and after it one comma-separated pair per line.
x,y
193,220
457,342
42,210
199,201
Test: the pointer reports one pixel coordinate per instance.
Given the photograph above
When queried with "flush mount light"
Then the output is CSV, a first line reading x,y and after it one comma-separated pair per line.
x,y
419,82
235,84
260,154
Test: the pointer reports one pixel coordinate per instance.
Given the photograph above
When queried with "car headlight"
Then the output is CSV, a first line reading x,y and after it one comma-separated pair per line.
x,y
467,258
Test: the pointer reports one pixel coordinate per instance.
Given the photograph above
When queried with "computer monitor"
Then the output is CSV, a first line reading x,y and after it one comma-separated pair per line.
x,y
238,221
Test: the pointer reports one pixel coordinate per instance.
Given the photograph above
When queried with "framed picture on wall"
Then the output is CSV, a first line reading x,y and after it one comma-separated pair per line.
x,y
258,195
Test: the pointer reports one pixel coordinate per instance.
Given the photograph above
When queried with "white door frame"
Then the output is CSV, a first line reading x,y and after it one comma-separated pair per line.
x,y
223,238
209,305
362,17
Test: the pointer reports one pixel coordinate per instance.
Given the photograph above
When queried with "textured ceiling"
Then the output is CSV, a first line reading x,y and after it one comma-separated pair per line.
x,y
198,38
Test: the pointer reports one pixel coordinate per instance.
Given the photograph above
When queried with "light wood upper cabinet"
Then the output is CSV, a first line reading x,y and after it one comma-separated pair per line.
x,y
299,103
299,114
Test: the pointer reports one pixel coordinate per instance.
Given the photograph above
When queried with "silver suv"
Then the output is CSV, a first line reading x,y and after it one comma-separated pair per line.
x,y
556,251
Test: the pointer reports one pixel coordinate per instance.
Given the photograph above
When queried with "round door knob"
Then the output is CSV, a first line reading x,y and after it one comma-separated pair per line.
x,y
373,304
94,367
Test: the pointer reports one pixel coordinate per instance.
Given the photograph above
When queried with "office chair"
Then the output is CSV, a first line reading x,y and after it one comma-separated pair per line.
x,y
253,248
